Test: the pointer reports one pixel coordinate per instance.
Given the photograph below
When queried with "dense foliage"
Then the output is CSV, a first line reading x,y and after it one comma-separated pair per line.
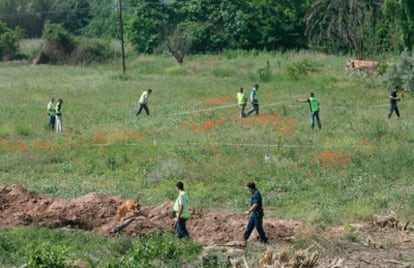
x,y
366,28
9,42
41,247
61,47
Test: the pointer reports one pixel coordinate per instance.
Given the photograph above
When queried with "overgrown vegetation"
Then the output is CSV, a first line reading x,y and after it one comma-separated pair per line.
x,y
366,29
401,73
40,247
61,47
9,42
359,164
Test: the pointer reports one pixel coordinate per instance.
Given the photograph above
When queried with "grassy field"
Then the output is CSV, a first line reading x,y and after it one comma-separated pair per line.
x,y
359,164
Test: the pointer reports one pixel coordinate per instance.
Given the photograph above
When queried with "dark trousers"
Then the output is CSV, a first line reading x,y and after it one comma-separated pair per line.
x,y
143,106
254,108
255,220
52,121
393,107
315,116
181,229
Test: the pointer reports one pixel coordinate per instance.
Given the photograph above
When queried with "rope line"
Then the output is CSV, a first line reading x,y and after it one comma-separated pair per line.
x,y
197,144
266,105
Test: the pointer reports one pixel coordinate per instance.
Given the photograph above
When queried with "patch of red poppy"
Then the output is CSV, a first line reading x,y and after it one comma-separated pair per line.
x,y
330,159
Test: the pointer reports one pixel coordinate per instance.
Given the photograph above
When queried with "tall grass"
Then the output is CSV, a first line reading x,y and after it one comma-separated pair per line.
x,y
194,125
360,163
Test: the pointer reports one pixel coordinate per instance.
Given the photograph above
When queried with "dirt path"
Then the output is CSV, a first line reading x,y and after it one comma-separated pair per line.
x,y
365,246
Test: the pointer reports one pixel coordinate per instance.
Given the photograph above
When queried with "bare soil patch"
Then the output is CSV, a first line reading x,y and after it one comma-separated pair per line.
x,y
367,245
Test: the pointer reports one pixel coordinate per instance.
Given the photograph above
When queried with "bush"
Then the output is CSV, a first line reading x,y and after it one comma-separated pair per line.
x,y
158,250
299,69
91,51
61,47
9,42
47,255
58,45
265,73
56,34
402,73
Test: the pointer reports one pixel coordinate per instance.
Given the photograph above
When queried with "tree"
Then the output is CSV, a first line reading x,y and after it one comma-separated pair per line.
x,y
9,42
31,15
402,73
215,25
344,26
178,43
212,25
278,24
146,29
399,16
104,21
73,15
22,14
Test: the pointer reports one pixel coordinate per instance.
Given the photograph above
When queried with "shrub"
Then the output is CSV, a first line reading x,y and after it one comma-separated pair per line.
x,y
23,130
58,46
401,74
91,51
61,47
265,73
158,250
9,42
55,33
47,255
299,69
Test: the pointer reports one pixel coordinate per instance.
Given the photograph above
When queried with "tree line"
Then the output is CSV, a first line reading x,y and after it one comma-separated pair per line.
x,y
364,28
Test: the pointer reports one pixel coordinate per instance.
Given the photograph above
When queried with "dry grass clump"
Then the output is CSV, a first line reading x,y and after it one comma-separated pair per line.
x,y
302,258
269,259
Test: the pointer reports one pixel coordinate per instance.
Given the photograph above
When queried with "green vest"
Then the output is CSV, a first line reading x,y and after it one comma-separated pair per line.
x,y
314,104
53,108
255,95
241,98
186,211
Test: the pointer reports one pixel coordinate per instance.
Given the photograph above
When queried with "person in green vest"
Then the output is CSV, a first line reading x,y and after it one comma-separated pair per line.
x,y
143,102
254,99
51,112
241,101
314,110
181,211
59,116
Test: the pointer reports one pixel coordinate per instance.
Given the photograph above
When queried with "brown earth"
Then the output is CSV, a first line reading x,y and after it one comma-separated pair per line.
x,y
357,245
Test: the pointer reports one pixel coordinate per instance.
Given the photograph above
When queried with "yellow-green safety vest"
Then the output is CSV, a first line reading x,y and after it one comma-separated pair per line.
x,y
144,97
186,211
241,98
314,104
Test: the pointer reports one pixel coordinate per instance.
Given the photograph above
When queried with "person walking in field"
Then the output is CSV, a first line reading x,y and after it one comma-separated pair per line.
x,y
255,213
394,98
51,112
314,110
59,116
181,211
143,102
254,99
241,101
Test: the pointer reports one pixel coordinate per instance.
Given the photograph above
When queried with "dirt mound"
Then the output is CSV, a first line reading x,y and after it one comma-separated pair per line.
x,y
97,211
366,245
